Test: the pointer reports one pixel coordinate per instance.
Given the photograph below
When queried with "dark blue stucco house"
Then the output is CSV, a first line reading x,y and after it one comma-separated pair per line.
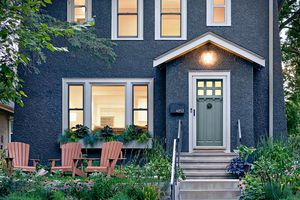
x,y
209,63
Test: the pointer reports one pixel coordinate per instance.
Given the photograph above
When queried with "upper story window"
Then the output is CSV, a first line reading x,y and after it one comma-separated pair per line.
x,y
79,11
218,12
127,19
170,19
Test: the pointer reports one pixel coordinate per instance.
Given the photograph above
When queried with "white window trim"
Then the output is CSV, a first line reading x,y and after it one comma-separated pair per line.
x,y
225,76
88,82
183,22
114,21
70,10
209,14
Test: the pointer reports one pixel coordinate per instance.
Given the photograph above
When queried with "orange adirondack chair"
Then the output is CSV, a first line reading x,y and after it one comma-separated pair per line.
x,y
111,153
18,157
69,151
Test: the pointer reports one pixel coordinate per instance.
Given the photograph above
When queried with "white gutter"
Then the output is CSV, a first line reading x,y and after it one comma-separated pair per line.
x,y
271,62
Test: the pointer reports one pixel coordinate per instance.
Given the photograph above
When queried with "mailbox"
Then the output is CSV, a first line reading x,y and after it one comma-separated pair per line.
x,y
176,108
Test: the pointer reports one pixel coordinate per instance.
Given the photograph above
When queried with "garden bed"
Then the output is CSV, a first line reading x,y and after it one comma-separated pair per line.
x,y
130,145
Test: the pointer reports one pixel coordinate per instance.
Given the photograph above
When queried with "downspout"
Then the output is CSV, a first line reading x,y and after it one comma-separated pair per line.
x,y
271,63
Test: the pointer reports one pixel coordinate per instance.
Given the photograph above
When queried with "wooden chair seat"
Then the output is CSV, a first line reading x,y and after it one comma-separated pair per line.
x,y
24,168
91,169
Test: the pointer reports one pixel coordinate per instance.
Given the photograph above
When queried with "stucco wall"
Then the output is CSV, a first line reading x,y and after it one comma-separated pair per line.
x,y
177,88
39,122
4,131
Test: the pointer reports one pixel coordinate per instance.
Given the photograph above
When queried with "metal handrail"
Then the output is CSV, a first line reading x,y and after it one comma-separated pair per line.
x,y
239,132
175,160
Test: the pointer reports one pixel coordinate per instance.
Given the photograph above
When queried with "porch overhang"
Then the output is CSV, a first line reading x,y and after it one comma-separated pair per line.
x,y
205,39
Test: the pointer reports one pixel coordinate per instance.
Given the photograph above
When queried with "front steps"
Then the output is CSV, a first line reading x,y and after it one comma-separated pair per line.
x,y
206,177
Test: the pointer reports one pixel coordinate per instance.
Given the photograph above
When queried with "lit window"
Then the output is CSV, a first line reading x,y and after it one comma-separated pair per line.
x,y
79,11
75,105
117,103
140,106
127,19
108,107
218,12
170,19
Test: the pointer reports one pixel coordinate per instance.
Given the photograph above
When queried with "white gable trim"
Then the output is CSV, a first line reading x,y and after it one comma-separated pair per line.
x,y
209,38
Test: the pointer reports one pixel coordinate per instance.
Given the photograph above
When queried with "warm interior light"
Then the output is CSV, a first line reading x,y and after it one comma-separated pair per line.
x,y
208,58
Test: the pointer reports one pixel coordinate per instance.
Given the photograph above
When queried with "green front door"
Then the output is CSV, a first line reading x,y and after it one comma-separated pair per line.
x,y
209,117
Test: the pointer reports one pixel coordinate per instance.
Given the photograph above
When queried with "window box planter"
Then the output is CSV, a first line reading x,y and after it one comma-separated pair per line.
x,y
130,145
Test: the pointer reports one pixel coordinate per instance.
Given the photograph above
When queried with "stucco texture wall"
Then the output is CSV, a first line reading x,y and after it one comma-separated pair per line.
x,y
39,122
177,88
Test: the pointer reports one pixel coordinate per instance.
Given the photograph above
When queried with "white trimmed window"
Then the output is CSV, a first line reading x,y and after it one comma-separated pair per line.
x,y
117,103
127,20
79,11
218,12
170,19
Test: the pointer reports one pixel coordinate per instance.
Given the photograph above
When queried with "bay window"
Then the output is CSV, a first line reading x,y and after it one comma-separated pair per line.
x,y
117,103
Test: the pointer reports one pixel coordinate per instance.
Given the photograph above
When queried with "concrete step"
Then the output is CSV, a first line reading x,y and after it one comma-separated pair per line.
x,y
207,174
217,154
204,160
211,166
209,184
209,194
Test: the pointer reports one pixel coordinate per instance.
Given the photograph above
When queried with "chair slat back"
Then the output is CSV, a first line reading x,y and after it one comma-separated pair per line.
x,y
70,151
110,150
19,152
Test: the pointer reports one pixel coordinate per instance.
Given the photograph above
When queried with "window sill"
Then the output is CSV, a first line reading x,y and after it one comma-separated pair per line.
x,y
171,38
130,145
127,39
218,24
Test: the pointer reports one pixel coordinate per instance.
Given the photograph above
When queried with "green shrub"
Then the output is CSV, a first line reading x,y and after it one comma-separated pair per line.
x,y
275,172
103,188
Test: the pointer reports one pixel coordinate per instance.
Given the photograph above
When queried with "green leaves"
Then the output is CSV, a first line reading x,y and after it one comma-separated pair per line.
x,y
27,33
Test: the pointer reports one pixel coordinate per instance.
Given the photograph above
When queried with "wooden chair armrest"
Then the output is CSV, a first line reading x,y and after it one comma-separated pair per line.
x,y
111,159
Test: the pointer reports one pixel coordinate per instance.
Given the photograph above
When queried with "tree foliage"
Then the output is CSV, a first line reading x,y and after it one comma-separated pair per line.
x,y
27,32
289,19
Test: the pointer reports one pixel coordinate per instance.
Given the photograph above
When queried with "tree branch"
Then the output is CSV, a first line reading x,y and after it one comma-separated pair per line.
x,y
290,19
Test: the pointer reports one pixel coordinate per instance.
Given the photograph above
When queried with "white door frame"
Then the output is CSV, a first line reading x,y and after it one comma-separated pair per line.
x,y
193,77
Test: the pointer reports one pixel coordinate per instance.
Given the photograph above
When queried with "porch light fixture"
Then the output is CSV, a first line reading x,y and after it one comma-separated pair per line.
x,y
208,58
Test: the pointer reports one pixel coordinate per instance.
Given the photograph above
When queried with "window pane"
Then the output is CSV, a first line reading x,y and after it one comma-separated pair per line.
x,y
219,2
200,92
218,92
140,118
170,6
127,25
200,83
218,84
209,84
79,14
219,15
170,25
140,97
79,2
75,118
76,96
127,6
108,106
209,92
